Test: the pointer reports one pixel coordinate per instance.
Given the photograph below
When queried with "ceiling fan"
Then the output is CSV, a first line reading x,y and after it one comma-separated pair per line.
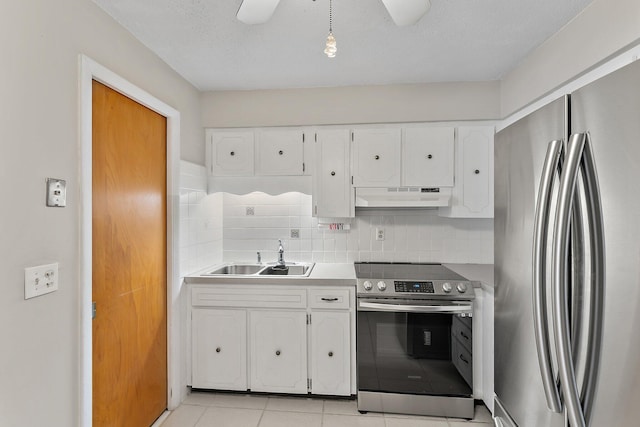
x,y
403,12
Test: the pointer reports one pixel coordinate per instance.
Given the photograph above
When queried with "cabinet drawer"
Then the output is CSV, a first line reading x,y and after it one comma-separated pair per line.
x,y
462,361
462,332
329,298
249,296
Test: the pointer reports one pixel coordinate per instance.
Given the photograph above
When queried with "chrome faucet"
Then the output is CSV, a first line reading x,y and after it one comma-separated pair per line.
x,y
280,253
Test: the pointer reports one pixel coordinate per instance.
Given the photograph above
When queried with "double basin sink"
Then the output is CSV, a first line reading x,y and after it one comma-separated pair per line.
x,y
298,269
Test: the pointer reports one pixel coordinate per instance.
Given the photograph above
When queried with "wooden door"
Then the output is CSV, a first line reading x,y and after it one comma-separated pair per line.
x,y
129,261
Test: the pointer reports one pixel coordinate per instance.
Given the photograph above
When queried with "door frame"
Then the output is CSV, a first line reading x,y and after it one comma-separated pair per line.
x,y
90,70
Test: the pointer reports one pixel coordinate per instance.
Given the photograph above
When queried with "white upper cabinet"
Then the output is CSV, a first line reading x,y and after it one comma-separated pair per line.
x,y
230,153
428,157
472,195
279,152
332,192
375,160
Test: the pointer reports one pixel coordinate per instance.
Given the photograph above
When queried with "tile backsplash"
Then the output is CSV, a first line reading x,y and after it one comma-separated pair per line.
x,y
228,227
254,222
200,220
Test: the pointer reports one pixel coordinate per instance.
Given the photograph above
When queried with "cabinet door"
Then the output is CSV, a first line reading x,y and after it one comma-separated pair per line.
x,y
231,153
330,353
332,195
472,195
427,157
279,152
278,351
219,349
376,158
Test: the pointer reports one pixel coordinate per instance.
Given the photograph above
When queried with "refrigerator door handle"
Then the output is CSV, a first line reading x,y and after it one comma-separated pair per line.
x,y
561,323
543,206
597,277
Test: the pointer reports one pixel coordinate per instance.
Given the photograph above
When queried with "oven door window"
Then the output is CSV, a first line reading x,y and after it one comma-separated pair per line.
x,y
414,353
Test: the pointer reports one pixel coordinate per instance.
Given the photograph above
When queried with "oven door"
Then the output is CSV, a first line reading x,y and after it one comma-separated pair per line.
x,y
419,347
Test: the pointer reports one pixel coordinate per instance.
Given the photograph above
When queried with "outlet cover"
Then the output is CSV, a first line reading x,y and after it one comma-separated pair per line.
x,y
56,193
379,233
250,211
40,280
295,233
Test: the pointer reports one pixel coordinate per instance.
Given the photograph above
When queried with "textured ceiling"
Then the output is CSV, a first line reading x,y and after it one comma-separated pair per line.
x,y
458,40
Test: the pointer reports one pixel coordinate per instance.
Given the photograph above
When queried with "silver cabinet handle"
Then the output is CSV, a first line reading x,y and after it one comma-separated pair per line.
x,y
329,299
597,272
566,369
550,167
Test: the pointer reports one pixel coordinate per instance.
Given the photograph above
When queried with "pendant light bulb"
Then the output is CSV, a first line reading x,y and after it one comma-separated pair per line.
x,y
331,49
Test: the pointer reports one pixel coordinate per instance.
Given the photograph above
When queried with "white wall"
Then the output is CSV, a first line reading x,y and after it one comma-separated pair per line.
x,y
410,235
603,29
354,104
41,41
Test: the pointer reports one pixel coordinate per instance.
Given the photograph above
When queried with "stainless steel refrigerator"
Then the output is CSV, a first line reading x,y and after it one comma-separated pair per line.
x,y
567,260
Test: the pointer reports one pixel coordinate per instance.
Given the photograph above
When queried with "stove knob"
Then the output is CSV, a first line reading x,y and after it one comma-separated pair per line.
x,y
382,286
367,285
446,287
462,287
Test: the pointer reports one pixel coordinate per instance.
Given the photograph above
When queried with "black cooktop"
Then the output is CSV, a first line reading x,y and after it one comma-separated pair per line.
x,y
405,271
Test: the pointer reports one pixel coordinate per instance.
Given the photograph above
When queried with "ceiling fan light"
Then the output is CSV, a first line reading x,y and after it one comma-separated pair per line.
x,y
331,48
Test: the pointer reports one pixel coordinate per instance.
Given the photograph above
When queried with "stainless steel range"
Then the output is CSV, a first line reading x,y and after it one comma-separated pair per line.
x,y
414,340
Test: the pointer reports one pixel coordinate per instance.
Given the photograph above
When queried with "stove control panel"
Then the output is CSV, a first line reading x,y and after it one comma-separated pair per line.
x,y
414,287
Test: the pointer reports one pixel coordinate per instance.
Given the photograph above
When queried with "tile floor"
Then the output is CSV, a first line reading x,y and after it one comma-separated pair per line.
x,y
202,409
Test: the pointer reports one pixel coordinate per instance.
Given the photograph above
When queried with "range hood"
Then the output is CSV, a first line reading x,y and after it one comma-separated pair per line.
x,y
402,197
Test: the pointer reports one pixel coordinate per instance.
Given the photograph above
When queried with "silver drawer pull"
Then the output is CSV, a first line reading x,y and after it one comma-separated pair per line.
x,y
331,354
277,352
218,350
329,299
465,336
463,359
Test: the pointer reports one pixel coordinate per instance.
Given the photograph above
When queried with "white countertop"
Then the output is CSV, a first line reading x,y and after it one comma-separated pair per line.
x,y
341,274
482,273
334,274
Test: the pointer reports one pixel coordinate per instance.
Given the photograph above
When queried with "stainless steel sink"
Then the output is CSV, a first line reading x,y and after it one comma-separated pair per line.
x,y
237,269
298,269
289,270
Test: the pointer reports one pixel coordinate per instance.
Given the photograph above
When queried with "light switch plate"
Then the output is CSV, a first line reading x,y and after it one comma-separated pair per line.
x,y
40,280
56,192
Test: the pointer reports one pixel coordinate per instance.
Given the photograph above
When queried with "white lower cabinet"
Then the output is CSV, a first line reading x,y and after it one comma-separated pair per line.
x,y
330,352
280,339
278,343
219,356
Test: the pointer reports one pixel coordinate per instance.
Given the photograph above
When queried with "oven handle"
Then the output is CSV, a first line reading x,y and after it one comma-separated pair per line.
x,y
407,308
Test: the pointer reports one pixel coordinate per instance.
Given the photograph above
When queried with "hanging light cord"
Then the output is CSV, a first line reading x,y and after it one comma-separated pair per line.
x,y
330,16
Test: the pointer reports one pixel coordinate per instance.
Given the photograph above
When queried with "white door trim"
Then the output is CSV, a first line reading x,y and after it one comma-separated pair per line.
x,y
90,70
